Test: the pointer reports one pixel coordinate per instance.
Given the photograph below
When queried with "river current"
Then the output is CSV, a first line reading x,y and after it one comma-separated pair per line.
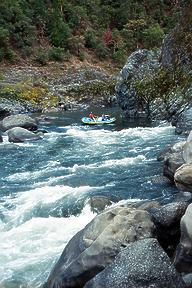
x,y
45,186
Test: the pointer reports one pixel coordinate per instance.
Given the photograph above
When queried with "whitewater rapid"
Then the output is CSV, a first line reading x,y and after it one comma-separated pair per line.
x,y
45,187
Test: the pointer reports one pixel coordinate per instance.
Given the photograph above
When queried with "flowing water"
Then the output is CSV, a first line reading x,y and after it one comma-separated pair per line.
x,y
45,186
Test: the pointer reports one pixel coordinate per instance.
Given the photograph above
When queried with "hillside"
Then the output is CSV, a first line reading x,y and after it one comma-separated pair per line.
x,y
58,30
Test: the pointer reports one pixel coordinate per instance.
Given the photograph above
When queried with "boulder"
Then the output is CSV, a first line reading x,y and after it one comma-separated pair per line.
x,y
94,247
187,152
142,264
183,257
167,221
184,122
19,120
163,154
170,149
99,203
171,163
183,177
19,134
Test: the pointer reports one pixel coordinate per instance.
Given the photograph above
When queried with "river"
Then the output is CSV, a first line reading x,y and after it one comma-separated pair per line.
x,y
45,186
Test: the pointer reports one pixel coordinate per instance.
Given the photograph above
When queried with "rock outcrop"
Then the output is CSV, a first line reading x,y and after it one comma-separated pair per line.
x,y
142,264
141,62
160,86
184,122
19,120
94,247
18,134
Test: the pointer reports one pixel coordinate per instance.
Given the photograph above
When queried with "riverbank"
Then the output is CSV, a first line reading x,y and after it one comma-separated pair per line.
x,y
54,88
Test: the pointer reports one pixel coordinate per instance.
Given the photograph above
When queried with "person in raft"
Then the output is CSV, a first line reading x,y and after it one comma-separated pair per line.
x,y
105,117
92,116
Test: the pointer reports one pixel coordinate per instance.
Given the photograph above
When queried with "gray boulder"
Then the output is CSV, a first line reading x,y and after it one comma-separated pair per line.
x,y
170,149
183,257
142,264
19,134
187,152
171,163
94,247
184,122
183,177
99,203
167,221
19,120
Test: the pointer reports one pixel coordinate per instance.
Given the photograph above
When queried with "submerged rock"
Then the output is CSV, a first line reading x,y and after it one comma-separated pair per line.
x,y
94,247
18,134
142,264
19,120
99,203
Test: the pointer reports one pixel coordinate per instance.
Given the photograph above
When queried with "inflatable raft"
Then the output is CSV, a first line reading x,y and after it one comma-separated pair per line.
x,y
98,121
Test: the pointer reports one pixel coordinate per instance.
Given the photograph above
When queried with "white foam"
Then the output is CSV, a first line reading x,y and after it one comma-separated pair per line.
x,y
123,162
97,137
20,176
38,240
26,202
110,163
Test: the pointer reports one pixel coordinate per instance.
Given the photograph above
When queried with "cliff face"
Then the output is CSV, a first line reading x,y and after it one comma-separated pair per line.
x,y
177,46
166,91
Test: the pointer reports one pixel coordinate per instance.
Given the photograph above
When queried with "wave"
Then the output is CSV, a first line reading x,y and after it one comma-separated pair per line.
x,y
26,205
34,245
110,163
42,171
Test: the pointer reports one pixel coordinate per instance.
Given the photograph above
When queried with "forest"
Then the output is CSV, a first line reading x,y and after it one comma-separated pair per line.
x,y
55,30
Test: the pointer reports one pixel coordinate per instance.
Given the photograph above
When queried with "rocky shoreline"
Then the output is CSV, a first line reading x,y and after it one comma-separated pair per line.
x,y
32,89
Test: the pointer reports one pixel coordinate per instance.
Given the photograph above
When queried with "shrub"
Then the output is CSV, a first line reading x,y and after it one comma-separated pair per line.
x,y
90,39
120,56
10,55
56,53
153,36
81,56
2,54
75,45
59,34
27,51
101,51
4,37
41,57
